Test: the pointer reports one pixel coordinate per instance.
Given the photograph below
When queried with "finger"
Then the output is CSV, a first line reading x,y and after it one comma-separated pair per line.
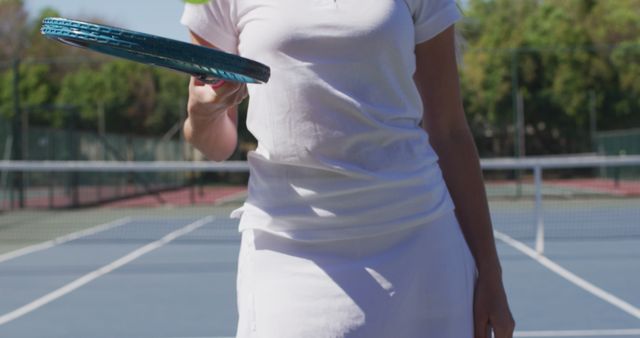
x,y
481,328
504,329
218,84
229,92
245,92
196,82
198,92
233,95
502,333
204,100
207,94
202,94
240,95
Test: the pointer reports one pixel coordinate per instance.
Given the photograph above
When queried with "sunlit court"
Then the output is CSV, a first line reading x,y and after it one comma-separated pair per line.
x,y
114,224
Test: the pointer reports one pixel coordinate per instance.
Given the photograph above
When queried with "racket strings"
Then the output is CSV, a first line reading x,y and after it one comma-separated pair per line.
x,y
129,39
202,62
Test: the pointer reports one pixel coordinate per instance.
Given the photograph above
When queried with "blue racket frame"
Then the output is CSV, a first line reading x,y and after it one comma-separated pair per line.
x,y
206,64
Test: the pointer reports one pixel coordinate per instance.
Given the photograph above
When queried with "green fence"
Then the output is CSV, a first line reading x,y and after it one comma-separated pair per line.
x,y
5,138
64,190
66,145
619,142
50,144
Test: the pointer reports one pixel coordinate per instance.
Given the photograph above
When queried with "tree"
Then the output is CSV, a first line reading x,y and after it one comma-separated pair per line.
x,y
492,29
133,97
564,56
13,19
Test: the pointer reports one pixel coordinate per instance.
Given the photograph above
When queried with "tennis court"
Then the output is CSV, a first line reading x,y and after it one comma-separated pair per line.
x,y
140,268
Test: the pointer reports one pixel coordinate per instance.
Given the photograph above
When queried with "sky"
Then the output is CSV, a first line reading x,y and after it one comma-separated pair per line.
x,y
159,17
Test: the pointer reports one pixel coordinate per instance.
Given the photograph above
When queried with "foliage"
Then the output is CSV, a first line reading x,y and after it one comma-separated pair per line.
x,y
131,97
13,19
569,57
56,81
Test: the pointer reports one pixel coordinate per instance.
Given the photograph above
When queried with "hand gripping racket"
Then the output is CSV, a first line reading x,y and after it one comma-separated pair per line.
x,y
206,64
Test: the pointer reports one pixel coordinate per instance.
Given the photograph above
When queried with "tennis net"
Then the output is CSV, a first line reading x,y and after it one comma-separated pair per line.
x,y
531,199
564,198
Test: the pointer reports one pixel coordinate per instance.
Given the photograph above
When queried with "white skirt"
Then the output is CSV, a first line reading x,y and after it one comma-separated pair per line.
x,y
414,283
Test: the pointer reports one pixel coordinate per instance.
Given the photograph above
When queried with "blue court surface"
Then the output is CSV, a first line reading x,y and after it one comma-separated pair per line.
x,y
140,276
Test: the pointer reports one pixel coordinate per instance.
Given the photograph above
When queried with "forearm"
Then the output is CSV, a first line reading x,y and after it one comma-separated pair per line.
x,y
461,169
216,139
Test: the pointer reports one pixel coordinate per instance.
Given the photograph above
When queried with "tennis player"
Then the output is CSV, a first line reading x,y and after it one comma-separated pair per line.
x,y
366,214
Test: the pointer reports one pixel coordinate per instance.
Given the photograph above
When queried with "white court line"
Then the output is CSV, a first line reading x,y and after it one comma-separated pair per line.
x,y
579,333
102,271
543,334
570,276
63,239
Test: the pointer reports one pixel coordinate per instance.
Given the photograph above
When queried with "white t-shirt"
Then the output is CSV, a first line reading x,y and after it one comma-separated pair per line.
x,y
340,149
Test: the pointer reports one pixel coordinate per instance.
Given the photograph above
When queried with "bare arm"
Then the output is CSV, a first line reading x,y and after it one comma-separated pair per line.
x,y
211,126
444,119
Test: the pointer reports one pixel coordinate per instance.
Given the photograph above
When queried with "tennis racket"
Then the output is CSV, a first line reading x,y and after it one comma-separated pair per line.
x,y
206,64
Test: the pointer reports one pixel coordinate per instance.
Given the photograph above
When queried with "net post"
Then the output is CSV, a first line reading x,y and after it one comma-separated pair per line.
x,y
73,155
193,182
17,125
537,174
5,187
